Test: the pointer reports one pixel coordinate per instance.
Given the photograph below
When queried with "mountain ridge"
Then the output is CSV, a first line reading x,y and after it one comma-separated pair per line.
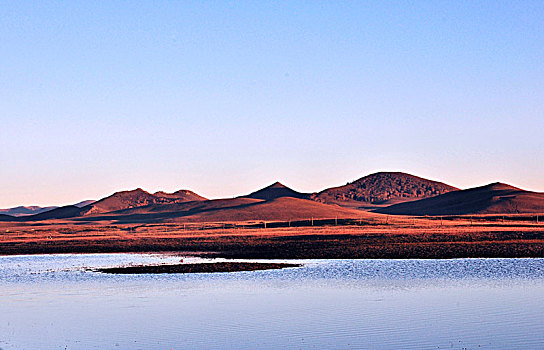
x,y
380,193
35,209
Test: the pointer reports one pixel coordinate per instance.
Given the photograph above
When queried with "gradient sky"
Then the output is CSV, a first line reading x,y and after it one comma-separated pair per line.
x,y
226,97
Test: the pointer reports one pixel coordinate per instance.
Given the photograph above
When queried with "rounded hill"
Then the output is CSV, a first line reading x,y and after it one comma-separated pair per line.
x,y
384,188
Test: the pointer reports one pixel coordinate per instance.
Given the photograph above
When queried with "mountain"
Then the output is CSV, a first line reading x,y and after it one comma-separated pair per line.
x,y
117,201
138,198
21,210
385,192
495,198
276,190
381,189
120,200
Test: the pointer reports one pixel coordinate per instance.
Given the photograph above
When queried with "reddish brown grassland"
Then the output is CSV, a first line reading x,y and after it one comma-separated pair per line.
x,y
378,237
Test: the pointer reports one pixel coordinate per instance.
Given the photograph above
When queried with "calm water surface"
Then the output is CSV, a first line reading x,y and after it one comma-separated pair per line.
x,y
55,302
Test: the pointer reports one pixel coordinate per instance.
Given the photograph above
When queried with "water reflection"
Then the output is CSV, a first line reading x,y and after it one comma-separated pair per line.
x,y
55,302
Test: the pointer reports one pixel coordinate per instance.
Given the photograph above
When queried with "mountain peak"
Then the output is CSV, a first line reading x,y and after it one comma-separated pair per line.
x,y
277,184
276,190
500,186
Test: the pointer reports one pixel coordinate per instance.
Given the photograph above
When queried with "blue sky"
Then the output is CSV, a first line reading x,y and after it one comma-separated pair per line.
x,y
226,97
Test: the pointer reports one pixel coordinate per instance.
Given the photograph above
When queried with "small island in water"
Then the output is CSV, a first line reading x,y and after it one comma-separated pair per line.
x,y
196,268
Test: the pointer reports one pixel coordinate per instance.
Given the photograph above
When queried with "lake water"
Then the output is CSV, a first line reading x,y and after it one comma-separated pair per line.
x,y
54,302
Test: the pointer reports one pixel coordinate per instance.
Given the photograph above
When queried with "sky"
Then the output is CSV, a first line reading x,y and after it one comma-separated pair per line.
x,y
224,98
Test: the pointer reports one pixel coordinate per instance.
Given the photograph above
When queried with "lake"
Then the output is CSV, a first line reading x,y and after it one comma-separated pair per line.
x,y
56,302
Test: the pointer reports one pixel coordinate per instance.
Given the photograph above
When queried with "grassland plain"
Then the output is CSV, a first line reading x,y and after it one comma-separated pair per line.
x,y
377,237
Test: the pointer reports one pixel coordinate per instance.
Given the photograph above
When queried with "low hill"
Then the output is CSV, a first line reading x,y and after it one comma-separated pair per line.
x,y
235,209
181,209
276,190
67,211
279,209
4,217
381,189
34,209
495,198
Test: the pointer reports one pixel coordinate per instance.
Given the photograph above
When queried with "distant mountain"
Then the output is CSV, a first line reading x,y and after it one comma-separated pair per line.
x,y
495,198
21,211
33,210
276,190
4,217
117,201
383,188
64,212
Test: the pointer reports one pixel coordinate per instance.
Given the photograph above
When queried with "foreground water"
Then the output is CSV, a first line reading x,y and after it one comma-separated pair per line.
x,y
55,302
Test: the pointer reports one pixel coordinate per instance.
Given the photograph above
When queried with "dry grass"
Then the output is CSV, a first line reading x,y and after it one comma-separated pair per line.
x,y
376,237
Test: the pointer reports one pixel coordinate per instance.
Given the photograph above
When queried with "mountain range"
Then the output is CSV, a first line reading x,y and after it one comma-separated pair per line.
x,y
392,193
34,209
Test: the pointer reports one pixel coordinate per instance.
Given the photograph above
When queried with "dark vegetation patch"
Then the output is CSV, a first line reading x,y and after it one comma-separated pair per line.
x,y
197,268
